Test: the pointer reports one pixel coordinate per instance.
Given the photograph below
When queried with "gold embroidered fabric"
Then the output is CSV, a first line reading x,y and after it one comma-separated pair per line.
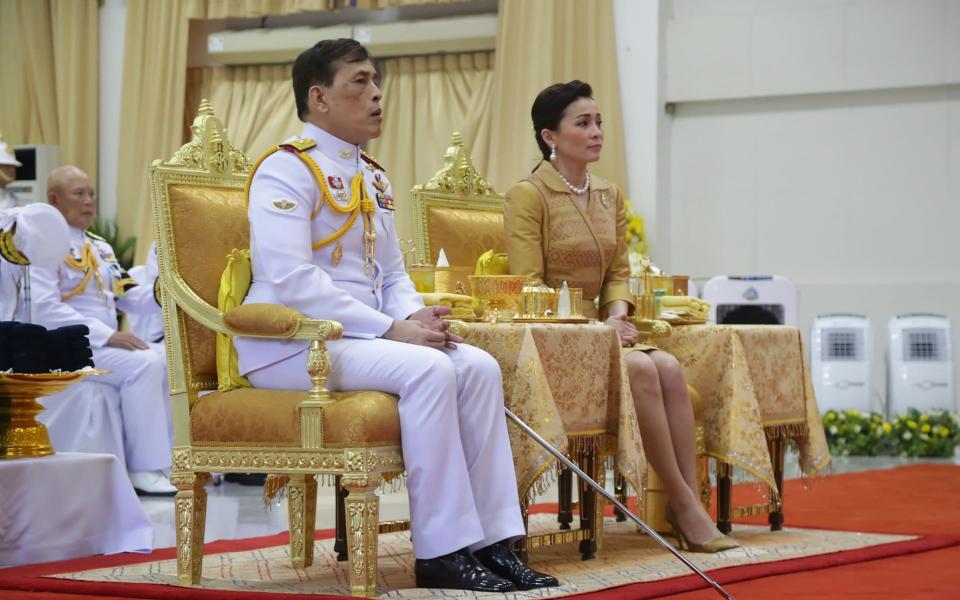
x,y
209,223
755,383
551,237
448,228
568,382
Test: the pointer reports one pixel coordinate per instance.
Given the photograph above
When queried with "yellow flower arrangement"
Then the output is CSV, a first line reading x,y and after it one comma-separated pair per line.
x,y
936,433
636,236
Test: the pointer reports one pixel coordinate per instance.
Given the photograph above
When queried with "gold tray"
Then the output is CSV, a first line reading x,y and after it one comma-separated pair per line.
x,y
464,319
683,320
570,320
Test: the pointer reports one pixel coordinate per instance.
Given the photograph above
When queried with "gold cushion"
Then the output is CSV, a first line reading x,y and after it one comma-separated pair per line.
x,y
209,222
448,229
263,319
249,417
234,284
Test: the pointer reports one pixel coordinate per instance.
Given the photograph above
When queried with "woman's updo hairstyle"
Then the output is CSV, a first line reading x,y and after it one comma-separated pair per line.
x,y
549,106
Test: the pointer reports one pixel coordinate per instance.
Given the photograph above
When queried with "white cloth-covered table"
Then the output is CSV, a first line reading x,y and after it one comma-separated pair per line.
x,y
85,417
68,506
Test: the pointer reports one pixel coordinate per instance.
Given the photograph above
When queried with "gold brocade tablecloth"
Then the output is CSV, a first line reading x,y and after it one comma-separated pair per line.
x,y
755,383
568,382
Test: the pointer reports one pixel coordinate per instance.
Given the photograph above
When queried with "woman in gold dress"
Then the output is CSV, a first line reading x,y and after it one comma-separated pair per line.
x,y
564,224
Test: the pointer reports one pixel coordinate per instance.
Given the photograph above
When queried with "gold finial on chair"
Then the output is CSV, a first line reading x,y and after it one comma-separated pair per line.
x,y
209,148
205,110
458,175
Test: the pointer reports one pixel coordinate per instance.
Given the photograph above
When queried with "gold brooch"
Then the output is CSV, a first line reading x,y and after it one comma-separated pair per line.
x,y
337,253
603,200
284,204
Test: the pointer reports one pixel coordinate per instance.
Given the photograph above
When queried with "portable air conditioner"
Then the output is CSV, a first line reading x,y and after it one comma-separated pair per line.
x,y
919,364
840,360
751,299
38,161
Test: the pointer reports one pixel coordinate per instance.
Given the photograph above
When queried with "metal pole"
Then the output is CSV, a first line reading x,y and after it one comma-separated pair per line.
x,y
27,300
599,488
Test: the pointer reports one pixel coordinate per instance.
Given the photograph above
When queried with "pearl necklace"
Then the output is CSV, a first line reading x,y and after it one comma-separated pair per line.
x,y
576,190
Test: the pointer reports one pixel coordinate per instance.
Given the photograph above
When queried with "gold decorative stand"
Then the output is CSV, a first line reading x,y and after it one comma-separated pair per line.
x,y
21,436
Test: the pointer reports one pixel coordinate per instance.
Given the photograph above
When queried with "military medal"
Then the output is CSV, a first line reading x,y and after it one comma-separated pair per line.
x,y
337,253
385,201
335,182
379,183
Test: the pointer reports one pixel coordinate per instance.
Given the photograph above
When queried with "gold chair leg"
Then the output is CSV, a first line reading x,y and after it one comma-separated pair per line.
x,y
363,527
191,512
302,510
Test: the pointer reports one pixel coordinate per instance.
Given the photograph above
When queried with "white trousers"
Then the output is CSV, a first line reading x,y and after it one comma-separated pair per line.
x,y
460,476
141,378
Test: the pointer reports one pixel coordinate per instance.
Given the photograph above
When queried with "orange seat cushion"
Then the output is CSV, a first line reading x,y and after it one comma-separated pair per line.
x,y
248,417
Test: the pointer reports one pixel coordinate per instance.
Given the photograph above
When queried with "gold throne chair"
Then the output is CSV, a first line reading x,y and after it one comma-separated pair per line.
x,y
200,217
456,200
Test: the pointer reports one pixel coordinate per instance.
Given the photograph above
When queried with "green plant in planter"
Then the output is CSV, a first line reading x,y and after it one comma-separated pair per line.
x,y
124,247
925,434
853,432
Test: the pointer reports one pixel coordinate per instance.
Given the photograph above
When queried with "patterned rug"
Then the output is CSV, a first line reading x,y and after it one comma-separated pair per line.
x,y
626,558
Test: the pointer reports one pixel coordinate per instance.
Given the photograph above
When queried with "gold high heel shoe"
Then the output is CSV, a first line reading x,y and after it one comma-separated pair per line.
x,y
718,544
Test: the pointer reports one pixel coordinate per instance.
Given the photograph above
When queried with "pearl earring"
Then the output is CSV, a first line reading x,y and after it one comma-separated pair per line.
x,y
553,153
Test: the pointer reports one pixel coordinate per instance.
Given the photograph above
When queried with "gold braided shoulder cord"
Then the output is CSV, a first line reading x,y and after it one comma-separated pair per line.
x,y
8,250
359,202
89,264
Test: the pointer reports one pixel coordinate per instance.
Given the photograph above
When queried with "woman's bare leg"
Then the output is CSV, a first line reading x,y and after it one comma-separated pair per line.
x,y
676,403
655,432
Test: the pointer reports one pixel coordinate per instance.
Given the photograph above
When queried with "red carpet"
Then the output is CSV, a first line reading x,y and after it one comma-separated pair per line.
x,y
921,499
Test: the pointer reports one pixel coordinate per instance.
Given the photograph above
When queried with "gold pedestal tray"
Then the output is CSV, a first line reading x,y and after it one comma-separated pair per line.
x,y
21,436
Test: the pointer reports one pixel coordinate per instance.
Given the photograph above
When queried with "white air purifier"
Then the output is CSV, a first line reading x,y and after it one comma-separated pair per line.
x,y
840,360
751,299
919,364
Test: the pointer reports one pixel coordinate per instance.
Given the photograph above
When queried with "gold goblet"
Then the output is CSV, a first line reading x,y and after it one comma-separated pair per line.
x,y
498,295
21,435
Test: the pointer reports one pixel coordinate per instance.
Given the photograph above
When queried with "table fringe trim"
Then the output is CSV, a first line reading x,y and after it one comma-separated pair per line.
x,y
275,487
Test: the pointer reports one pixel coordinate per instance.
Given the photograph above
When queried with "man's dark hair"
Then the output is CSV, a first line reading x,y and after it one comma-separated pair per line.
x,y
550,105
319,65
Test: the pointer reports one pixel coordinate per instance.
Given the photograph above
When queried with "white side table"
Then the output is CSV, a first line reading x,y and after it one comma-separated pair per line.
x,y
68,505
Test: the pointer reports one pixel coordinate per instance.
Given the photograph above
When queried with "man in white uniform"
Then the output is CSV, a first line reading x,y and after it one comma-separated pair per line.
x,y
34,235
8,174
87,288
323,241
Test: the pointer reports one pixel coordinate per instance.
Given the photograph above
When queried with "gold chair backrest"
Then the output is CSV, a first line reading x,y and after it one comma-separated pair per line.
x,y
199,215
457,210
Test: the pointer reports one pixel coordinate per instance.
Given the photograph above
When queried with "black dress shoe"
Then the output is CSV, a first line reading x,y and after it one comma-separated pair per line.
x,y
500,559
458,571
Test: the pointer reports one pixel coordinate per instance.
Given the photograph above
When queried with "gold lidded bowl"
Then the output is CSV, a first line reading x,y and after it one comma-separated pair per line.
x,y
538,301
499,295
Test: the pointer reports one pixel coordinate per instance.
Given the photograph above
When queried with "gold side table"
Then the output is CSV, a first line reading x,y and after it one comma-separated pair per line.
x,y
21,435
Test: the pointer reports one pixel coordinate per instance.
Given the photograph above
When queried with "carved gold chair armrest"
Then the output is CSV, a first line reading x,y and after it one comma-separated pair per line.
x,y
278,321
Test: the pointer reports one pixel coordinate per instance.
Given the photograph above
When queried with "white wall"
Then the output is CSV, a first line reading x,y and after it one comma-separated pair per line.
x,y
113,19
641,60
820,141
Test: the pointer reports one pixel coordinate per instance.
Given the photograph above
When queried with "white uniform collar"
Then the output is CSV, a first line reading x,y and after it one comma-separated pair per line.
x,y
78,235
337,150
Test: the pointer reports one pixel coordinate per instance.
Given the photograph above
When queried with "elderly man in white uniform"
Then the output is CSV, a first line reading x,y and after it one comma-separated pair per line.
x,y
323,241
87,288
